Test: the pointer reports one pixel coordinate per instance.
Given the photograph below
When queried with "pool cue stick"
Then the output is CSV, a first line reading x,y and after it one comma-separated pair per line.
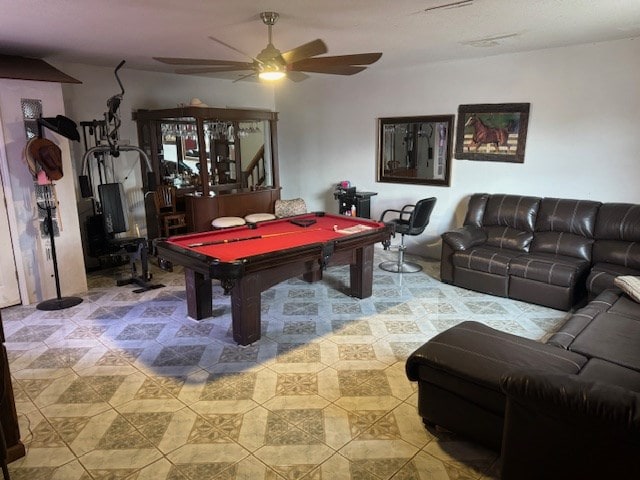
x,y
240,239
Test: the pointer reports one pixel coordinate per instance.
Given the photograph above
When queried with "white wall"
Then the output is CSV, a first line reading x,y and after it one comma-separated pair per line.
x,y
582,142
35,269
148,90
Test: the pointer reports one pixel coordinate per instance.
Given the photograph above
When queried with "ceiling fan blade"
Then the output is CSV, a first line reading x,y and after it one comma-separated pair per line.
x,y
244,77
231,68
310,49
340,60
335,70
199,61
297,76
234,49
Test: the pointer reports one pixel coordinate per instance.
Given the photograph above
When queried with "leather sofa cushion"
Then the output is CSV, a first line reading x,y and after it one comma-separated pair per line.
x,y
565,227
562,243
513,211
611,337
603,274
581,318
475,209
485,259
464,238
571,216
507,237
597,370
618,221
551,269
618,252
470,358
626,306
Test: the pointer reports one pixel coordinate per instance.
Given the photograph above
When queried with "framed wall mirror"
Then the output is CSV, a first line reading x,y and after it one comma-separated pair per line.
x,y
415,150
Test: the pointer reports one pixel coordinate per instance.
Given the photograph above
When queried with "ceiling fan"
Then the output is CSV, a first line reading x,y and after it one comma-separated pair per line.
x,y
271,64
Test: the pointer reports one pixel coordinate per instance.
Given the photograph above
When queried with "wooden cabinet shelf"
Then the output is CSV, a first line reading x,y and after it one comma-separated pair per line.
x,y
213,153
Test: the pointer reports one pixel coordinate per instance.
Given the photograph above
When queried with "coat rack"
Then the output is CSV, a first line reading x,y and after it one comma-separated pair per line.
x,y
48,204
65,127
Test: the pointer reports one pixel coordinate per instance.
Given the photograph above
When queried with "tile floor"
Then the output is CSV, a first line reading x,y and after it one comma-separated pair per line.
x,y
125,386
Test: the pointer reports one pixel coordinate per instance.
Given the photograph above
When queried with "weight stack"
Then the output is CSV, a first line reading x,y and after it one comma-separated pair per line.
x,y
114,208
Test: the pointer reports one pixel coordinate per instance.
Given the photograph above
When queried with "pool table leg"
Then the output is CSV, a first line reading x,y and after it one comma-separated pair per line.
x,y
199,297
361,273
245,309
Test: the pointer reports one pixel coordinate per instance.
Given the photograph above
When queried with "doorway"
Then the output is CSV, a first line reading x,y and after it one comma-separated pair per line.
x,y
9,291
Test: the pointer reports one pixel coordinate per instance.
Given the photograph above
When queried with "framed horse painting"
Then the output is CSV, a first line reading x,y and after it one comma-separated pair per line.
x,y
492,132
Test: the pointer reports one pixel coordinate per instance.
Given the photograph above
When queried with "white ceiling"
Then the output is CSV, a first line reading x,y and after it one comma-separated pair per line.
x,y
104,32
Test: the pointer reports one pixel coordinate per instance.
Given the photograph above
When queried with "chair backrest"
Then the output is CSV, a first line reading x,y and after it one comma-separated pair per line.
x,y
420,215
288,208
165,199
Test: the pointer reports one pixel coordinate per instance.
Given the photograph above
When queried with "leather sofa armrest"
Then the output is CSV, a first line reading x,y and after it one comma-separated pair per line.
x,y
464,238
559,426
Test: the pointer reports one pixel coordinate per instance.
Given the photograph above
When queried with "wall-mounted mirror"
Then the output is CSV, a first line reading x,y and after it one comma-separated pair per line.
x,y
415,149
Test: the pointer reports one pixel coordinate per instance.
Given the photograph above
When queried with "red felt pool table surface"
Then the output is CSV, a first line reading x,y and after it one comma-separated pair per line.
x,y
272,236
248,260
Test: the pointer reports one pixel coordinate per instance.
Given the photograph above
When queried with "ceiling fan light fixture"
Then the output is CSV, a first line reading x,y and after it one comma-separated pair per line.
x,y
272,72
272,65
271,75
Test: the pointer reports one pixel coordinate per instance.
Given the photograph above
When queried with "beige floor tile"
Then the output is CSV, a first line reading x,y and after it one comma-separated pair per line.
x,y
125,385
125,459
198,454
70,471
410,426
465,456
46,457
293,457
426,467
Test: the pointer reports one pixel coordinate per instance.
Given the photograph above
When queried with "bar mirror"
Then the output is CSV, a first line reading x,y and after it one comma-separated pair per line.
x,y
415,150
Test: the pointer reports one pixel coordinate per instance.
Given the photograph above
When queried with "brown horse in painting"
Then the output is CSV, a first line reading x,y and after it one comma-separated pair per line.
x,y
484,134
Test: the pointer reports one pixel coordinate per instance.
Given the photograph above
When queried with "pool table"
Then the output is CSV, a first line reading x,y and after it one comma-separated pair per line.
x,y
250,259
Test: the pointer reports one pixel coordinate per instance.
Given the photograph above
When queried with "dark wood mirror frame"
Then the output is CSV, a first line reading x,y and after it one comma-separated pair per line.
x,y
415,150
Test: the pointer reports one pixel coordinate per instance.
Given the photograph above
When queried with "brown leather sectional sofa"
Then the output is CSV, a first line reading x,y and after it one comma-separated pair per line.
x,y
548,251
568,408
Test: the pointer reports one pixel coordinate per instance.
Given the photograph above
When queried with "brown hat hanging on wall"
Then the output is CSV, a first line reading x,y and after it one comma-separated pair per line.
x,y
28,158
47,154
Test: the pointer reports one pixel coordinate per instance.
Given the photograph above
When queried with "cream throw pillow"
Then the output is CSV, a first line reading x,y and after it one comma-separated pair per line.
x,y
629,285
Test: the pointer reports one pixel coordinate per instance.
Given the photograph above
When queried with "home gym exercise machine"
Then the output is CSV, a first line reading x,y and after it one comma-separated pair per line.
x,y
109,210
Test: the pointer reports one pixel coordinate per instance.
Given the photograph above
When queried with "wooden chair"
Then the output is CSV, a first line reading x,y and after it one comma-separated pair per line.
x,y
169,219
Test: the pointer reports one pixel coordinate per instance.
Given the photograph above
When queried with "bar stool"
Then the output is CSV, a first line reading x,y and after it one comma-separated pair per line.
x,y
259,217
227,222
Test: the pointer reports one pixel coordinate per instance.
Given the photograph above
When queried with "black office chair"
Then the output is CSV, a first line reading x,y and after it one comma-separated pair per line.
x,y
411,220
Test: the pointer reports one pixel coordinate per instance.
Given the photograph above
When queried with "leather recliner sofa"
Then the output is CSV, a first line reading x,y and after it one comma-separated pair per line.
x,y
547,251
567,408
